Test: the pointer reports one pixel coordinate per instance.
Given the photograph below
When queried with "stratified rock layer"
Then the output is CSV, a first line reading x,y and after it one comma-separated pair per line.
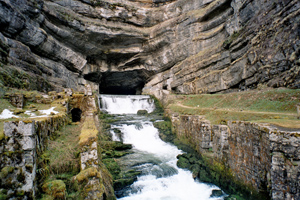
x,y
149,46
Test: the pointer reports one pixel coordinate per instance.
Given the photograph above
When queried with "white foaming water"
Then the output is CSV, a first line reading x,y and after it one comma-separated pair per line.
x,y
179,186
130,104
161,179
147,139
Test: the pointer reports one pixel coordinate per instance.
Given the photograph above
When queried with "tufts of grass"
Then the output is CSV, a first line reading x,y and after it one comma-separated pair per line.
x,y
273,100
284,122
272,106
64,150
4,104
61,160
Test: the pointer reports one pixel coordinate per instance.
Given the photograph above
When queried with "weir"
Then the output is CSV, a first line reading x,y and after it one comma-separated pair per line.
x,y
160,177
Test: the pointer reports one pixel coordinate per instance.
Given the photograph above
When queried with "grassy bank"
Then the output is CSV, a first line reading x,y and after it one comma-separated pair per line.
x,y
275,106
60,162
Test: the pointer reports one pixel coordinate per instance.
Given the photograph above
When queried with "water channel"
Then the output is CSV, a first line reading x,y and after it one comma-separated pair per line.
x,y
160,179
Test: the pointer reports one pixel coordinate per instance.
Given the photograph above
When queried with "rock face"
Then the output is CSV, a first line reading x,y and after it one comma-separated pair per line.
x,y
263,157
149,46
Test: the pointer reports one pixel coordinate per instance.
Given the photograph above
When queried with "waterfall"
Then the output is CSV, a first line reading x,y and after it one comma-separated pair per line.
x,y
126,104
161,179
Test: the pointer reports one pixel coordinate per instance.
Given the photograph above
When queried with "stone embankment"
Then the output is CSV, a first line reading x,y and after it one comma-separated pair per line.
x,y
25,141
263,157
96,180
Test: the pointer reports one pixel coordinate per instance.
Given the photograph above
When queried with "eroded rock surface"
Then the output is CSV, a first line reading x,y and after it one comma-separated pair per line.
x,y
260,156
129,46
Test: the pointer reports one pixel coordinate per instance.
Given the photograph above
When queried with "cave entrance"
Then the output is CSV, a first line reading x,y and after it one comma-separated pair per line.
x,y
124,83
76,114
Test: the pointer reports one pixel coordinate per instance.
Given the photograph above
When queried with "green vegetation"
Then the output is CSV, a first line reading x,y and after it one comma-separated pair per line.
x,y
4,104
158,106
165,130
276,106
206,169
55,188
60,162
11,77
273,100
64,150
19,79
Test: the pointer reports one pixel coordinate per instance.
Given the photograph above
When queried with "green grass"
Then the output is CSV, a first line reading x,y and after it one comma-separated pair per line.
x,y
64,150
274,100
275,106
4,104
61,159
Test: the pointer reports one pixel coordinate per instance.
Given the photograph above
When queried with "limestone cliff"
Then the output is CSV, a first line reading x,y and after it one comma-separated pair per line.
x,y
184,46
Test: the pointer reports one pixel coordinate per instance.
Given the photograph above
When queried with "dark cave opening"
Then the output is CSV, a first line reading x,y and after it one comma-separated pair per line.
x,y
123,82
128,82
120,90
76,114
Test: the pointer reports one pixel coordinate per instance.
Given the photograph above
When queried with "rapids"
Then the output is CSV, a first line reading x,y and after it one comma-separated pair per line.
x,y
160,179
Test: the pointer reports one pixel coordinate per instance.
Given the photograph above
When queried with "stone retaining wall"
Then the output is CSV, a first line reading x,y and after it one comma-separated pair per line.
x,y
23,142
99,182
264,157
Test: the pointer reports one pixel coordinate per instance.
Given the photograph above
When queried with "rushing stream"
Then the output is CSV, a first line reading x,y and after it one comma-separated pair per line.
x,y
160,179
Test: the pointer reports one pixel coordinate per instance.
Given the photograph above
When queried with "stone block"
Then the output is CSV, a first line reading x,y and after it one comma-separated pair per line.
x,y
17,100
18,128
28,143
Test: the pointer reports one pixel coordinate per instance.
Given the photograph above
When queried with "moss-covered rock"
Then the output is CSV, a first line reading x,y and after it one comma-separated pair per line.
x,y
2,136
84,175
216,193
142,112
3,196
56,189
89,132
5,171
126,178
165,130
112,166
183,162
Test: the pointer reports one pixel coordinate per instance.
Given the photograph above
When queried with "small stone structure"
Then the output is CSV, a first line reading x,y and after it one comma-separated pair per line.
x,y
18,153
260,156
17,100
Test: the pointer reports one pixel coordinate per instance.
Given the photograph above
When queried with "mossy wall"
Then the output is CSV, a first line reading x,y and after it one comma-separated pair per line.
x,y
261,160
23,142
94,180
